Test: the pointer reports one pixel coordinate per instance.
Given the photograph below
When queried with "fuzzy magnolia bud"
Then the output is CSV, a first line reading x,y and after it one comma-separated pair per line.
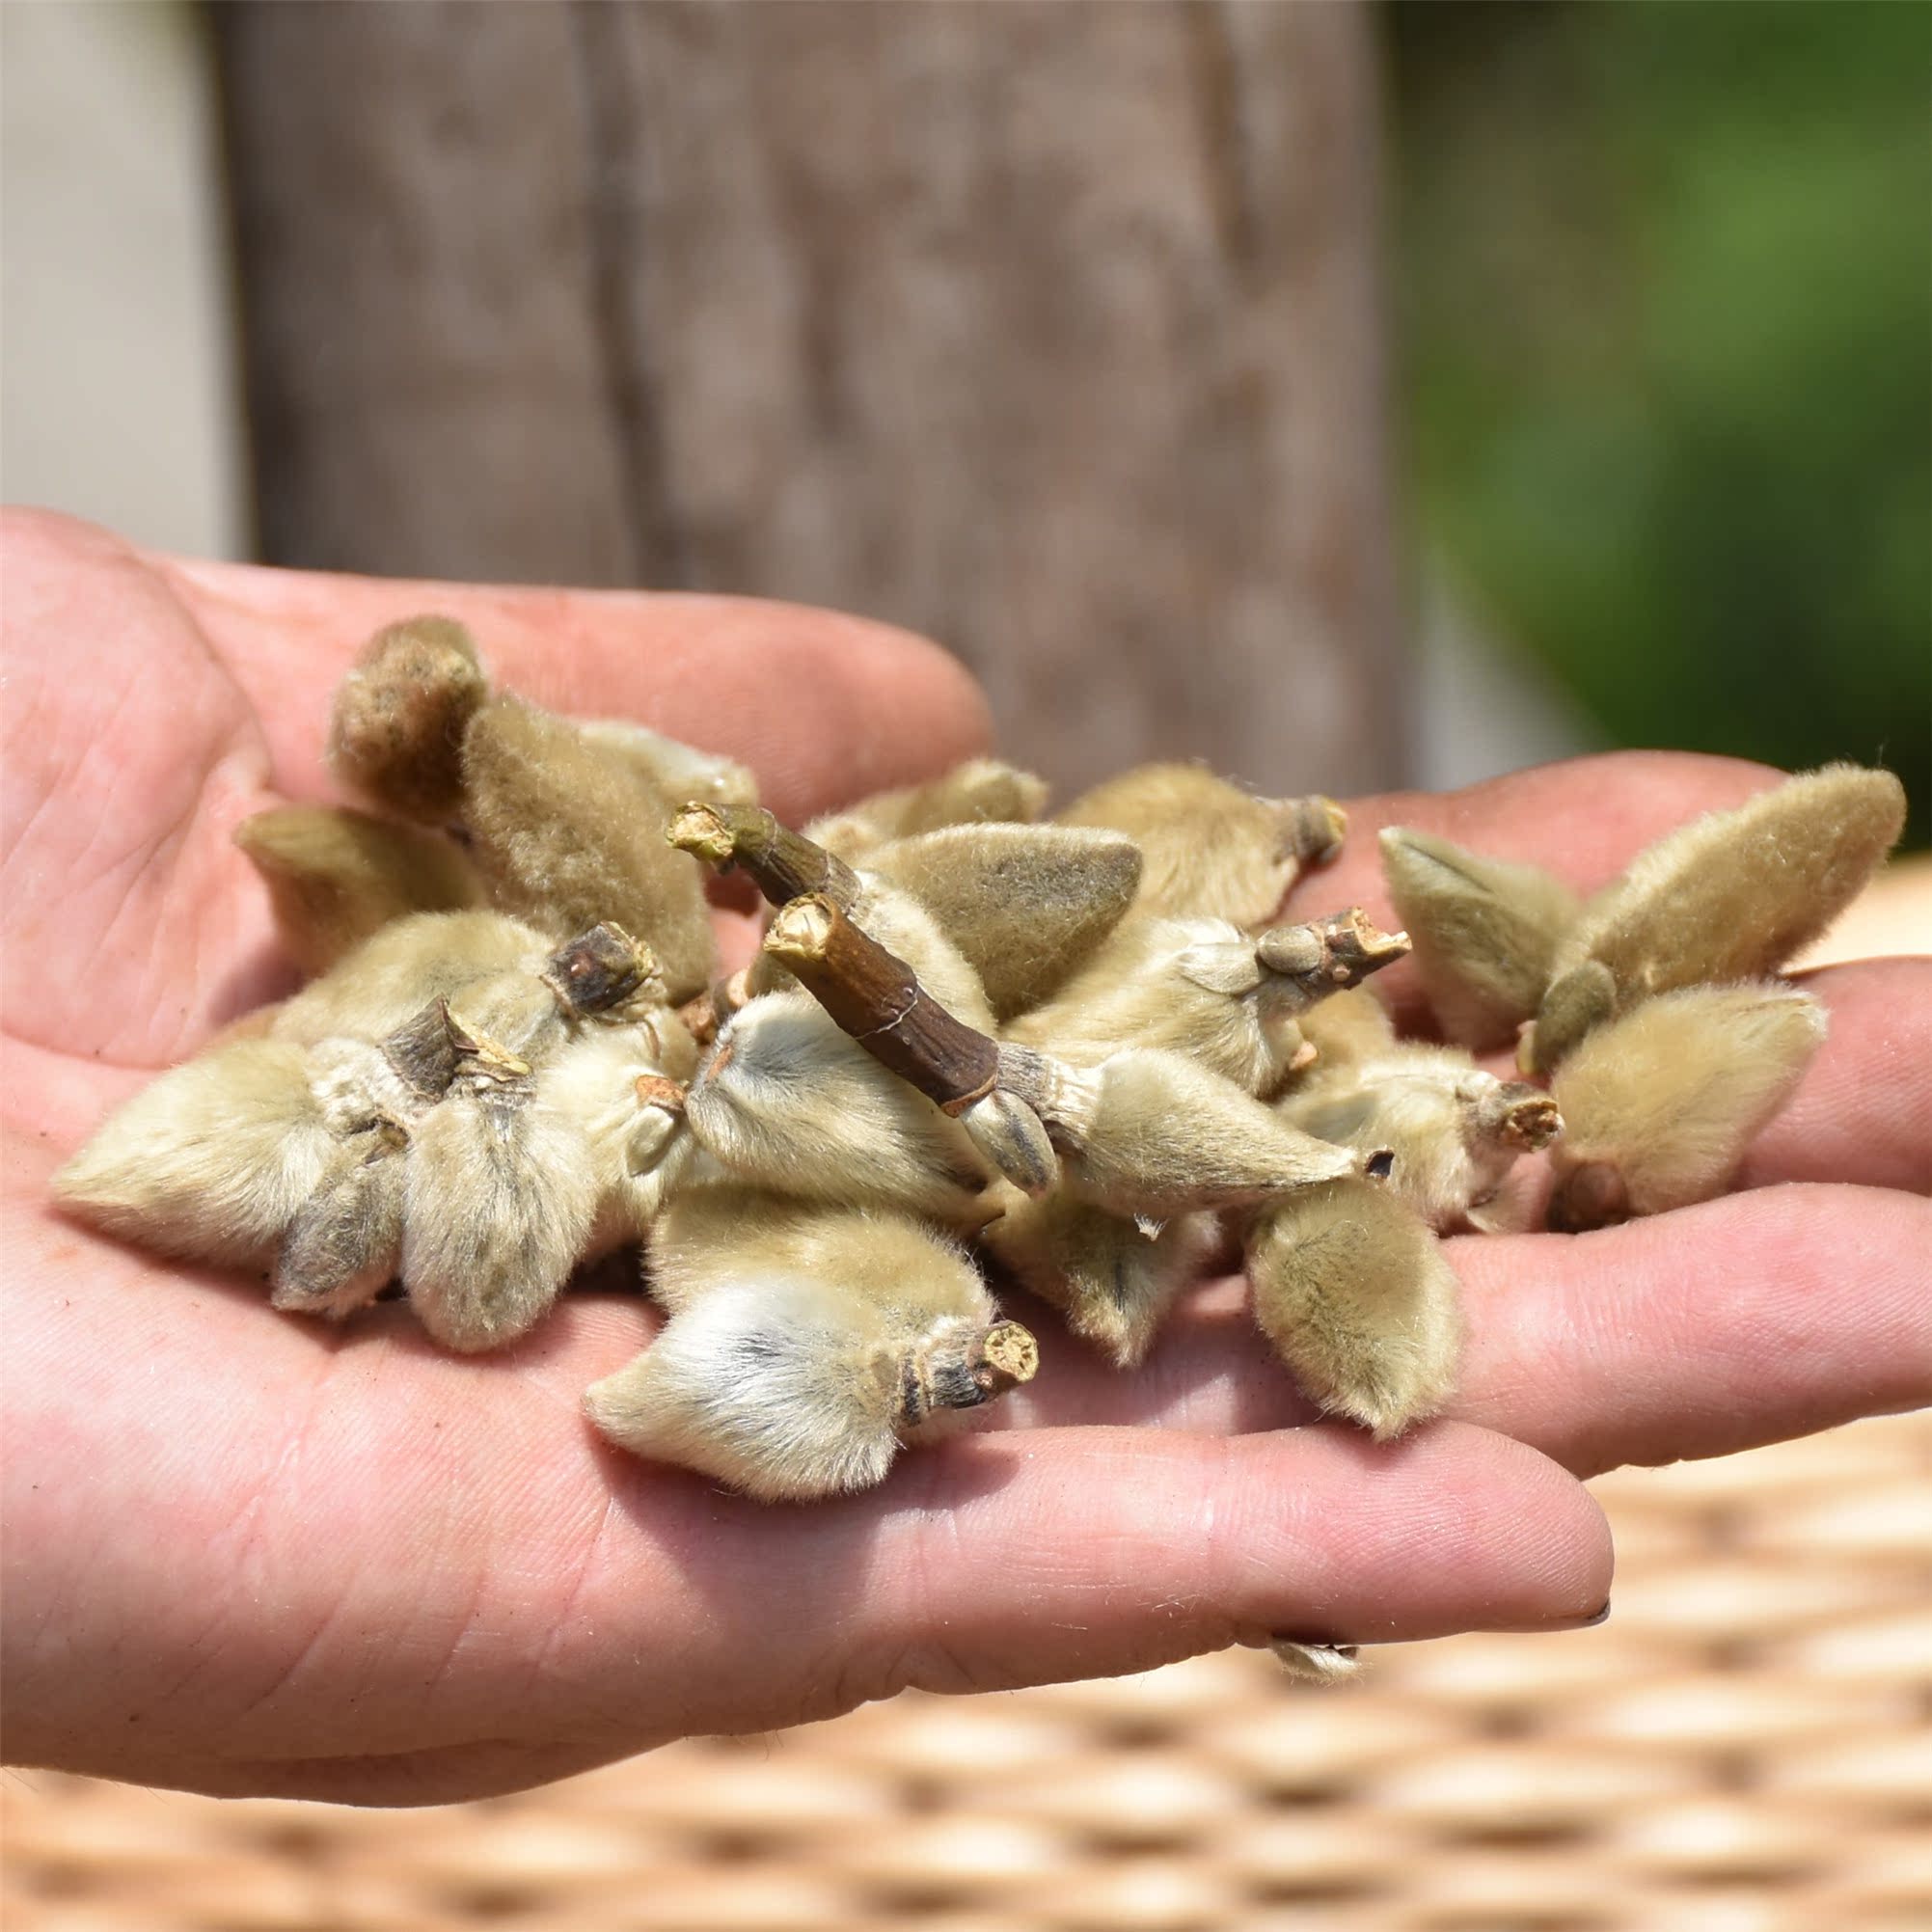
x,y
499,1202
1209,849
569,835
1484,931
788,1102
1453,1129
805,1344
1660,1105
1356,1297
212,1162
1204,988
336,877
1730,896
1026,904
979,792
396,734
1112,1276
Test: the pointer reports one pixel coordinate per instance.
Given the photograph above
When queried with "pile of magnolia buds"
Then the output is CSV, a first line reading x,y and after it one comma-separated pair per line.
x,y
1075,1049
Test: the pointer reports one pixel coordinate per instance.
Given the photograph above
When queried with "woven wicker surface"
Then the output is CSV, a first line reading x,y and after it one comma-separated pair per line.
x,y
1746,1747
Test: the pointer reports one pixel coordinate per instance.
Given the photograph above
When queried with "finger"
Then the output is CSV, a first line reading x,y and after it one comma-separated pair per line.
x,y
1745,1320
1000,1561
992,1562
1864,1110
1741,1321
823,707
1584,820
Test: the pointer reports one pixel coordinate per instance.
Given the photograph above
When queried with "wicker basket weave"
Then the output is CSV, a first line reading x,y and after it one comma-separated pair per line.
x,y
1746,1747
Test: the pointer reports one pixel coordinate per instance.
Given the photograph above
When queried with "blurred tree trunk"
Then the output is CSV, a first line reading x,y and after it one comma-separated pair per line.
x,y
1050,329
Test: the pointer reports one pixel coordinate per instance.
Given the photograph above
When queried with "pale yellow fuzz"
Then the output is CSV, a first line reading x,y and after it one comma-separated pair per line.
x,y
212,1161
1359,1301
980,791
409,964
1114,1279
1348,1028
568,834
1188,986
1025,903
1484,932
635,1137
1325,1664
803,1343
1165,1135
335,877
1441,1116
1733,895
499,1200
1660,1104
1209,849
396,732
789,1103
345,1245
681,775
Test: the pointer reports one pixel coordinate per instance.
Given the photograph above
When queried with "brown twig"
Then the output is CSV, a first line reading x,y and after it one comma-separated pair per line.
x,y
876,997
785,865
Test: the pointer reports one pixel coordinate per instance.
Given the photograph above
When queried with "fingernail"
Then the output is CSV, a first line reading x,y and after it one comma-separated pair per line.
x,y
1590,1623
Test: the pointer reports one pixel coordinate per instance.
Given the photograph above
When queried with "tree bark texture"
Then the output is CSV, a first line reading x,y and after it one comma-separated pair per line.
x,y
1050,328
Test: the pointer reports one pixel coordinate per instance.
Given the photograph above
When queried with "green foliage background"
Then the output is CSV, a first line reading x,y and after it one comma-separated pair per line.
x,y
1665,287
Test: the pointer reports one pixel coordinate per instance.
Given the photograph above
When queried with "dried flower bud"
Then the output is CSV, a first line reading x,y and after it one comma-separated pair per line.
x,y
677,773
346,1244
1454,1130
1660,1104
1484,931
1114,1279
1162,1135
335,877
1026,904
978,792
569,835
1578,999
1359,1301
1731,895
1205,989
499,1201
212,1161
1351,1028
1310,1663
1211,849
623,1088
1155,1133
397,733
805,1344
386,983
786,1100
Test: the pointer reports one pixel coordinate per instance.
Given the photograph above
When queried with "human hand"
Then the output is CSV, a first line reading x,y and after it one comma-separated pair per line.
x,y
249,1554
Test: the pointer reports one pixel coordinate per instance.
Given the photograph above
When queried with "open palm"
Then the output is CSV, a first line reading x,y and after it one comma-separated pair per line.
x,y
247,1553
